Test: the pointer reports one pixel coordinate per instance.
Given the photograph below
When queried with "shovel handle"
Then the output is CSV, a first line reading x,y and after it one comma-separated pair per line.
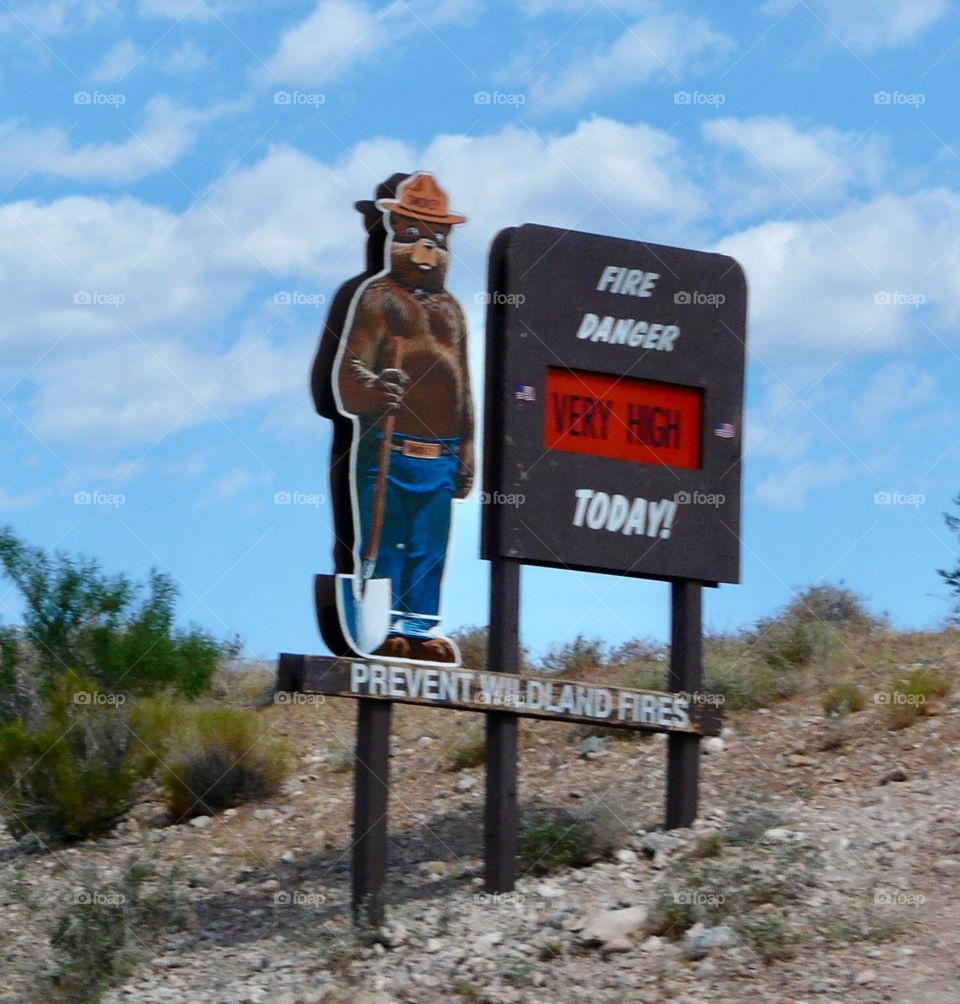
x,y
383,466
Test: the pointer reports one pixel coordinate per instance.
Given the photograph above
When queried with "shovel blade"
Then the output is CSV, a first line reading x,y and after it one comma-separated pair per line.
x,y
364,611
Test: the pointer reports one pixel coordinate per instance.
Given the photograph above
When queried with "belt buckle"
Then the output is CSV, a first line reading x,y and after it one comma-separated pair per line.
x,y
421,451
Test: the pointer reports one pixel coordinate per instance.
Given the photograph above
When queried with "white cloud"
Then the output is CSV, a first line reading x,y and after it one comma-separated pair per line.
x,y
187,59
167,132
57,17
769,162
117,62
333,39
867,26
865,279
791,488
663,45
897,386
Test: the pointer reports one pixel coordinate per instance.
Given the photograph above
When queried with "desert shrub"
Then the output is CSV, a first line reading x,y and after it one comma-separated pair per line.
x,y
735,671
563,840
473,644
470,750
574,658
836,606
220,757
116,633
910,695
244,685
74,773
843,698
98,938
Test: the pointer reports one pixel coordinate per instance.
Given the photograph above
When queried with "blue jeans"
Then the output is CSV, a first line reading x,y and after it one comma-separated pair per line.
x,y
416,526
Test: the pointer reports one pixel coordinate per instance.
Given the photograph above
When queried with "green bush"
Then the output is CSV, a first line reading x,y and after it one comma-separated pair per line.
x,y
563,840
574,658
220,757
73,774
98,939
910,695
842,698
106,628
469,751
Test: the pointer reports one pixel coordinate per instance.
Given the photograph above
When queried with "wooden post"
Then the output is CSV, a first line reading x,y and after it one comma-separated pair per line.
x,y
371,791
686,670
501,819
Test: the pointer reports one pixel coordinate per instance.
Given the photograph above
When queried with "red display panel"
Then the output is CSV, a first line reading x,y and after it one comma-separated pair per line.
x,y
624,418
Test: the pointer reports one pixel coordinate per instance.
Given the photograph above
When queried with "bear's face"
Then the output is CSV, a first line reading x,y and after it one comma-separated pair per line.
x,y
418,253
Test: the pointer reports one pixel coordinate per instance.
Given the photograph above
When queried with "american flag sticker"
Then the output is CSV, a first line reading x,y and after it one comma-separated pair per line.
x,y
725,430
525,392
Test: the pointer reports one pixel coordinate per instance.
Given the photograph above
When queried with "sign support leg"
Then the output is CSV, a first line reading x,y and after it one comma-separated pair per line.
x,y
686,669
501,819
371,790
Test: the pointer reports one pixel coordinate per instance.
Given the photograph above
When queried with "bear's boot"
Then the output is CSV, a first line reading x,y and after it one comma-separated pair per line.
x,y
433,650
395,647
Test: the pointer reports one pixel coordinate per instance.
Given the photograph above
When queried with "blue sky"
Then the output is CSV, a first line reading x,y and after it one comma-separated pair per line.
x,y
177,184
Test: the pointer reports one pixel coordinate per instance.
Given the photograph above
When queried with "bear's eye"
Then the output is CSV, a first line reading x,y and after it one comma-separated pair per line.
x,y
413,232
441,239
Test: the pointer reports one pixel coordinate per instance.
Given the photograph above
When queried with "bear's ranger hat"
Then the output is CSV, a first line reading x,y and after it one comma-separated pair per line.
x,y
423,199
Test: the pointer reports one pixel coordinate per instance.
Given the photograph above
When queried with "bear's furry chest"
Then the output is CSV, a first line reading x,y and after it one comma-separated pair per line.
x,y
424,319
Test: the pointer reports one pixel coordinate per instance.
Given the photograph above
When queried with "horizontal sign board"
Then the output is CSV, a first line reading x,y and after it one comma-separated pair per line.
x,y
471,690
614,405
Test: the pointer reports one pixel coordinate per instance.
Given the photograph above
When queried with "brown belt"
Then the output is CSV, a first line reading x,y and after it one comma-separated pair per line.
x,y
414,448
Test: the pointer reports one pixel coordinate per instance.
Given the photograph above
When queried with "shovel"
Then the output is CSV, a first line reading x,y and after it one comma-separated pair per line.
x,y
364,603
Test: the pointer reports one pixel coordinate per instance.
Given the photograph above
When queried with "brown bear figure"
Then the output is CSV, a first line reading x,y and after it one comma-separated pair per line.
x,y
404,353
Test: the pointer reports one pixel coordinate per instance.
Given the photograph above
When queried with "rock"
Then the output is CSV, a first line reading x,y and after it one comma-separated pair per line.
x,y
433,946
712,744
625,856
799,760
611,925
288,856
466,783
425,741
777,835
592,744
897,774
656,843
432,869
201,821
574,794
615,946
947,866
489,939
700,943
864,977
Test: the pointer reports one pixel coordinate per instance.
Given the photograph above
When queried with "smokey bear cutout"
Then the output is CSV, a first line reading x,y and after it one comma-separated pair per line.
x,y
398,389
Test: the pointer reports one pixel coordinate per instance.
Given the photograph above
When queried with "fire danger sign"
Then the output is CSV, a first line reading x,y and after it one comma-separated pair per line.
x,y
614,405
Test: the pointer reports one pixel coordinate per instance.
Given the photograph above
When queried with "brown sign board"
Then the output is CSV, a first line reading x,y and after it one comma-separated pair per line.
x,y
614,395
462,689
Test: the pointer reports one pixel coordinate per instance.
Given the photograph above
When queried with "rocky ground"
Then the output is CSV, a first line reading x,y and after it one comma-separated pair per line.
x,y
825,867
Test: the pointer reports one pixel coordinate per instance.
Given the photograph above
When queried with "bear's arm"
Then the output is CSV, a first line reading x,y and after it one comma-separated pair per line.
x,y
357,376
467,418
